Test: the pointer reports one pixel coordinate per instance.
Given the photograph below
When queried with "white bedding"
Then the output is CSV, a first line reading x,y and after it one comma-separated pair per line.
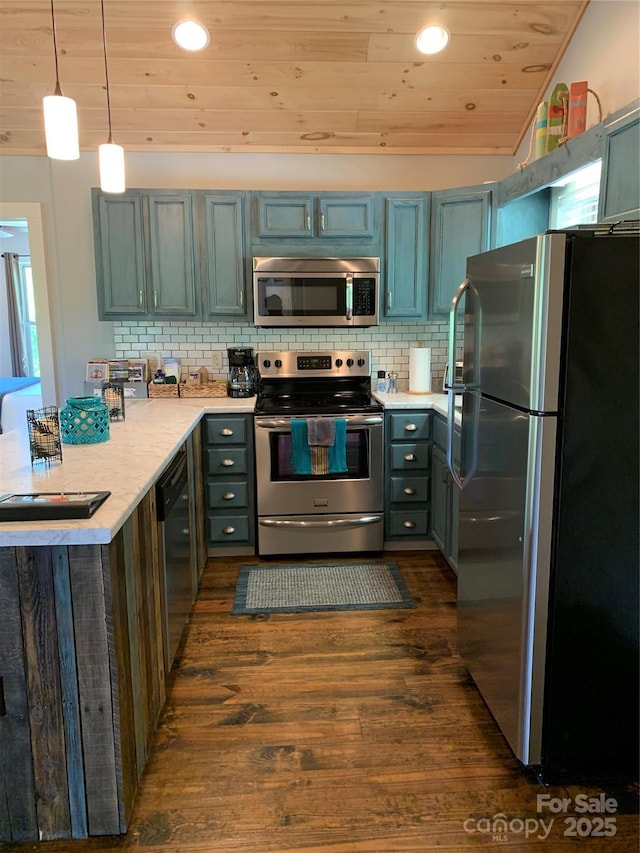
x,y
15,405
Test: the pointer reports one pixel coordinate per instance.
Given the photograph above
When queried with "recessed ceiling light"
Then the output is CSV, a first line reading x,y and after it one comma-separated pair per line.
x,y
432,39
190,35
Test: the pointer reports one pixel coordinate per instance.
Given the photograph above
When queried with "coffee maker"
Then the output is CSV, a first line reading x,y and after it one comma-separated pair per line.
x,y
243,373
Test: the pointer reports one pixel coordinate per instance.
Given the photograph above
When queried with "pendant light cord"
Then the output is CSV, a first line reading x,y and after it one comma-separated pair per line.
x,y
106,72
58,90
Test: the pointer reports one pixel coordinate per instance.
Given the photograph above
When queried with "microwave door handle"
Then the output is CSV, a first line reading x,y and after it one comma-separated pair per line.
x,y
349,296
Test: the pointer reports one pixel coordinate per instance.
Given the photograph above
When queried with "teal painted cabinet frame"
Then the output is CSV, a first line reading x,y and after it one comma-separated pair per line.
x,y
406,256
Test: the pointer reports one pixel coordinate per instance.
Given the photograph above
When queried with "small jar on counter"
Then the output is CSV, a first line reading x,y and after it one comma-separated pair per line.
x,y
393,382
381,384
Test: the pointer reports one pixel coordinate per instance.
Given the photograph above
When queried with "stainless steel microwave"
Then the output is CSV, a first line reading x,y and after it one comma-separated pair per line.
x,y
316,291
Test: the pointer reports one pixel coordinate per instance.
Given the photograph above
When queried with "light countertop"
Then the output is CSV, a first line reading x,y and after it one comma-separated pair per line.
x,y
127,465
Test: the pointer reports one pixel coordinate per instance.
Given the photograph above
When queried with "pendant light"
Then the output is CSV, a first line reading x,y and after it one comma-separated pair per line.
x,y
60,117
110,155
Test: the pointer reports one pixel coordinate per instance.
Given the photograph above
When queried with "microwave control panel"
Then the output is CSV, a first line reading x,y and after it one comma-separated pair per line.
x,y
364,297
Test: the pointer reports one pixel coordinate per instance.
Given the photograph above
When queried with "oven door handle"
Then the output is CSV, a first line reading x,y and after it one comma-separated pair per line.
x,y
337,522
352,420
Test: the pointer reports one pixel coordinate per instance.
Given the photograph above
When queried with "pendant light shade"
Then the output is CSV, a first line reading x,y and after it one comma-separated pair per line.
x,y
60,117
110,155
111,158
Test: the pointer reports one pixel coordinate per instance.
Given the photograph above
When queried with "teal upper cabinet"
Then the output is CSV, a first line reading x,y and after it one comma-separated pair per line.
x,y
406,256
120,254
620,184
460,227
314,216
223,255
172,267
144,250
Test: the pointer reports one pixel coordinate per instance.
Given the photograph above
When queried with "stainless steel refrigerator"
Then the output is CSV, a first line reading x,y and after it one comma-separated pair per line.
x,y
548,479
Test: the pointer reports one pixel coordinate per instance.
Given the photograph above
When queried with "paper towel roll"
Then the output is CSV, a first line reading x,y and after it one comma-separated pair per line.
x,y
420,370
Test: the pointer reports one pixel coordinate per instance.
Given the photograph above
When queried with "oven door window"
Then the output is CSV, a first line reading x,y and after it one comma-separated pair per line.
x,y
357,458
305,296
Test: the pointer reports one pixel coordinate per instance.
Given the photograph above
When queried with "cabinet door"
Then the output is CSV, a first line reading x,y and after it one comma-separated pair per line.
x,y
173,283
346,217
285,216
406,257
460,227
619,184
439,499
222,254
120,255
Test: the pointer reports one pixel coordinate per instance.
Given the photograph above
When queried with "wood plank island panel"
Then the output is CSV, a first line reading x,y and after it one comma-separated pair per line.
x,y
289,61
334,732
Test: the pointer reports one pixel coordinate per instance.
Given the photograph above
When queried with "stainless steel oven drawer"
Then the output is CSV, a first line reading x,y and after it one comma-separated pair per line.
x,y
329,534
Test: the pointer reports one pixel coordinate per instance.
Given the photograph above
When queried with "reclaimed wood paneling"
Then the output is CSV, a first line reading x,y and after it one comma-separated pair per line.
x,y
283,69
37,605
94,684
17,789
69,692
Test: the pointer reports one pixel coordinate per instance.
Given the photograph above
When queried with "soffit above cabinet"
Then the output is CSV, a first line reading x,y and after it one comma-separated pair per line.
x,y
285,76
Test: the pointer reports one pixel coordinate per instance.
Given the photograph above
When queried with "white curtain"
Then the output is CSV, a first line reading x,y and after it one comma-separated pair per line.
x,y
17,342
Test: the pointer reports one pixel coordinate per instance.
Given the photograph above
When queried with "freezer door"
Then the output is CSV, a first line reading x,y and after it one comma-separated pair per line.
x,y
513,322
503,563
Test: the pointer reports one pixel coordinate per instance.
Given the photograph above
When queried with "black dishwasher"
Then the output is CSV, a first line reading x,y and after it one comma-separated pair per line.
x,y
172,500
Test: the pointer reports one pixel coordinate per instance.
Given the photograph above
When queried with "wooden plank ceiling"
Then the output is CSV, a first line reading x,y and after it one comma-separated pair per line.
x,y
282,76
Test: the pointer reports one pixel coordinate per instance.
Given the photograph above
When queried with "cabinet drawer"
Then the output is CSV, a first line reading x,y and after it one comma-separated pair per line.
x,y
226,431
409,489
228,528
227,460
440,437
227,495
411,426
408,523
410,457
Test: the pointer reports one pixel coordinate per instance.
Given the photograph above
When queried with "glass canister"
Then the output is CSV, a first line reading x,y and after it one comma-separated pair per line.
x,y
393,382
84,420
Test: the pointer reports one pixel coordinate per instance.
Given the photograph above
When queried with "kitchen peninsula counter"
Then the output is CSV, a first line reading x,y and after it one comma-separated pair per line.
x,y
127,465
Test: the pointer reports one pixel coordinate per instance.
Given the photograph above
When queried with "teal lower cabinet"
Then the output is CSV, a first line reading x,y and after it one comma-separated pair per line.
x,y
444,493
229,483
408,469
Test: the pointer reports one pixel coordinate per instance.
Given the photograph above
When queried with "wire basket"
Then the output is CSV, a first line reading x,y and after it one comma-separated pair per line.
x,y
44,435
84,420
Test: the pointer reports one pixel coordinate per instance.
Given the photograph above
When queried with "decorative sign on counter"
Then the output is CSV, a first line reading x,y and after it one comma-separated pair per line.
x,y
46,506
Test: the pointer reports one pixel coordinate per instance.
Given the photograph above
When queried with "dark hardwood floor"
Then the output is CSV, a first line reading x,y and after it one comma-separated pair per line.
x,y
340,732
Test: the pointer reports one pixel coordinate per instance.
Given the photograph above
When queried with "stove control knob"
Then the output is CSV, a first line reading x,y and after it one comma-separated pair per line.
x,y
266,363
338,362
349,362
361,362
277,362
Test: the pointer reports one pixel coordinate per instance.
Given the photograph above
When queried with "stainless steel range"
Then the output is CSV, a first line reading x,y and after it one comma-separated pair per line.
x,y
319,454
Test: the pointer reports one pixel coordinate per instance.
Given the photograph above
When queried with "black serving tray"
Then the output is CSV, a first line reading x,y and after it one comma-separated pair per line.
x,y
47,506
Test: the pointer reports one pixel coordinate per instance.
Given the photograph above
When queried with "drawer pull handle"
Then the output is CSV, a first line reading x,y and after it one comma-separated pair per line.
x,y
227,463
185,531
409,524
228,496
409,491
410,427
226,432
410,457
228,530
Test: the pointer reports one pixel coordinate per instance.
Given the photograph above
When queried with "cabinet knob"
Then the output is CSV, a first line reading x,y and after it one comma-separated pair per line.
x,y
228,530
409,491
227,463
410,457
226,431
409,524
228,496
410,427
185,531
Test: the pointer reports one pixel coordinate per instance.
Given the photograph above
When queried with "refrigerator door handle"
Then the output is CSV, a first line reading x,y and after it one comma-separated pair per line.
x,y
453,389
